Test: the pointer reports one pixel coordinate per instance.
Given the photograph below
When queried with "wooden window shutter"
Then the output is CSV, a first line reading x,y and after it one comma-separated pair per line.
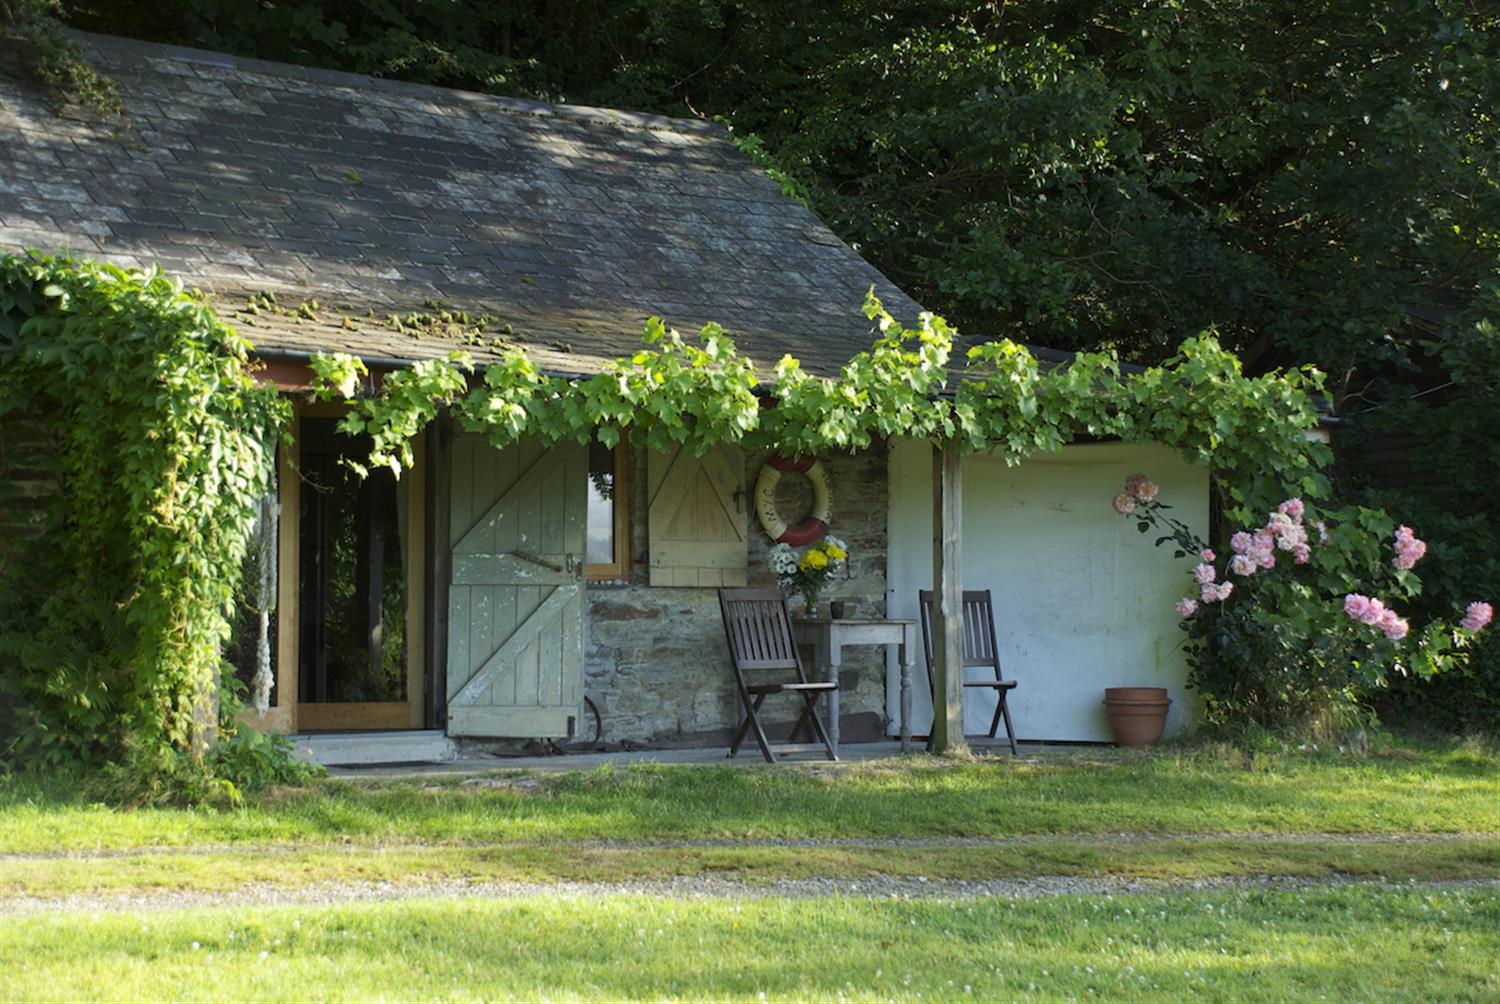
x,y
698,518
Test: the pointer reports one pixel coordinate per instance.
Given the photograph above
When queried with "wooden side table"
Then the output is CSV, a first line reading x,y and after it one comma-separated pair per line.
x,y
828,638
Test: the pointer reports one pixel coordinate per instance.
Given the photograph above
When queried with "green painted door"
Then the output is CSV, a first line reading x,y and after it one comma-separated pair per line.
x,y
515,600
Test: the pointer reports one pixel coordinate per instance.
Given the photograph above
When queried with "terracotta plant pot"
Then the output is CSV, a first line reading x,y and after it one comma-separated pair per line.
x,y
1137,715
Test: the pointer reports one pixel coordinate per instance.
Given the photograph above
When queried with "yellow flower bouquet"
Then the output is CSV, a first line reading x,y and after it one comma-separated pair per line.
x,y
806,574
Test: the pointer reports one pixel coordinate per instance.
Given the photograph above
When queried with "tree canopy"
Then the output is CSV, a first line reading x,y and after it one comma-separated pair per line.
x,y
1317,182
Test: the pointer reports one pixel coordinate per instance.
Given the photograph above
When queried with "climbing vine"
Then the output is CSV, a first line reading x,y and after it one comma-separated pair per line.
x,y
35,30
700,392
113,614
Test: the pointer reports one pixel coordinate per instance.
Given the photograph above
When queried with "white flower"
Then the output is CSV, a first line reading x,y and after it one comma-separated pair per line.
x,y
783,560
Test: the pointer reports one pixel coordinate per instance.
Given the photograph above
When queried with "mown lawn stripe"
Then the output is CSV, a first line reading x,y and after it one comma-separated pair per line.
x,y
1168,860
1348,943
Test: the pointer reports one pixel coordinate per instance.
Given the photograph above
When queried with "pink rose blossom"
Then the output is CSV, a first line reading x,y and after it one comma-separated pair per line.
x,y
1322,529
1206,554
1409,550
1213,592
1241,542
1392,626
1263,548
1477,617
1187,606
1124,504
1288,534
1374,614
1302,554
1141,487
1292,508
1364,609
1242,564
1204,574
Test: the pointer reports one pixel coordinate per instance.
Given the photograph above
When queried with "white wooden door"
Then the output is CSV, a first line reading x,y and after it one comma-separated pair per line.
x,y
515,599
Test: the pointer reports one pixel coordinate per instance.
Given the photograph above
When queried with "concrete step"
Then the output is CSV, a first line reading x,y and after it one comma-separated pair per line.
x,y
360,749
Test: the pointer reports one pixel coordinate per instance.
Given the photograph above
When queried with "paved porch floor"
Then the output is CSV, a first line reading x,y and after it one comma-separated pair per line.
x,y
713,756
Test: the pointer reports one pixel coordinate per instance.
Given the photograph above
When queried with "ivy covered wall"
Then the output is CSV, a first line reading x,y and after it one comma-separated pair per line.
x,y
156,436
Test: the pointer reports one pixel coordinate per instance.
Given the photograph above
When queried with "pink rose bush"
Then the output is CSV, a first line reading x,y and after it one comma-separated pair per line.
x,y
1302,615
1285,530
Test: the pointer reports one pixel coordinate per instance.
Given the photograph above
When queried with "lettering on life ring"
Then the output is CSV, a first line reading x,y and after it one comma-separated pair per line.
x,y
816,523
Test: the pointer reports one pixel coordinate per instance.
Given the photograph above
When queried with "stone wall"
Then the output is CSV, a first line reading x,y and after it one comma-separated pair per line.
x,y
656,663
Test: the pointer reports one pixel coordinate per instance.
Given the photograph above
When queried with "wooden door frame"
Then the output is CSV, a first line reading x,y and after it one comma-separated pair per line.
x,y
369,715
439,443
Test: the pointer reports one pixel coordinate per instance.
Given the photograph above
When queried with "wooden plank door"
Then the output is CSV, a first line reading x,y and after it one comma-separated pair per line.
x,y
515,600
698,518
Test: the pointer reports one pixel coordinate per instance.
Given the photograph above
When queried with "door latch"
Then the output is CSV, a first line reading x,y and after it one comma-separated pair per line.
x,y
537,559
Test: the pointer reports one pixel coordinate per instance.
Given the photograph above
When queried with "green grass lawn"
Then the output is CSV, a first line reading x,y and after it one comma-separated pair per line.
x,y
1428,813
1167,860
1453,789
1345,944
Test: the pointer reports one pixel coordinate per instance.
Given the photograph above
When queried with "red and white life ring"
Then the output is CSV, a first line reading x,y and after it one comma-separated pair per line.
x,y
816,524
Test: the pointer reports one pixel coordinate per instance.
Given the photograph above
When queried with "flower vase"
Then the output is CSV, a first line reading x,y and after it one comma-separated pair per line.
x,y
810,605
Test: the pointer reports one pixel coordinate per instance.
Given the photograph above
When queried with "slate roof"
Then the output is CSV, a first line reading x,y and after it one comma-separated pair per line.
x,y
564,226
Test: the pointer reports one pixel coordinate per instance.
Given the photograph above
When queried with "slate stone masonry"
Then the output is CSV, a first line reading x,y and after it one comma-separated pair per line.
x,y
656,664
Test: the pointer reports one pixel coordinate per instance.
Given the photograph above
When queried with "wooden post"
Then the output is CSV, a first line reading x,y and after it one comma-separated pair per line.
x,y
439,565
947,602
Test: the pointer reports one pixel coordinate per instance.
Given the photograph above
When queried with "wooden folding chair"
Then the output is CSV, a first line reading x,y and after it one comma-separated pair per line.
x,y
758,625
979,650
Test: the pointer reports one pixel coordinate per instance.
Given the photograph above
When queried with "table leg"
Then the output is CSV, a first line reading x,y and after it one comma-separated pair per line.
x,y
908,646
832,658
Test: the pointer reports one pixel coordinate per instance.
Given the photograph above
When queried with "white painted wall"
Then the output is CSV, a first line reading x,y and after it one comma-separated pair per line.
x,y
1082,600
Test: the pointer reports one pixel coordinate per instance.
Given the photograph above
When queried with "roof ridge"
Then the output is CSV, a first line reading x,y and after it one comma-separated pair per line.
x,y
343,78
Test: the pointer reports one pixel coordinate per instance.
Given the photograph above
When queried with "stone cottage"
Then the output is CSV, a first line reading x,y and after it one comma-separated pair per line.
x,y
531,593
